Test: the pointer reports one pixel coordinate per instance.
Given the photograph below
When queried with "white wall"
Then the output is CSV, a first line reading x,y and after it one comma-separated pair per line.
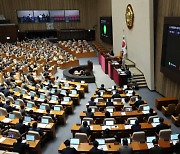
x,y
140,39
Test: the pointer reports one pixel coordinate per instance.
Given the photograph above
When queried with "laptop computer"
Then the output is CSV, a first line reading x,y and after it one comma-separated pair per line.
x,y
149,139
11,116
155,120
53,98
23,92
128,109
42,107
32,94
66,85
16,89
44,121
101,141
74,92
29,105
74,141
30,137
124,86
42,96
57,108
52,90
132,122
174,136
44,88
109,123
146,108
56,83
78,86
66,99
63,92
27,119
82,81
11,135
128,139
16,102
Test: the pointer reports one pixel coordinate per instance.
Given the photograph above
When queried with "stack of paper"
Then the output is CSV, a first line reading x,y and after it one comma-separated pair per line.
x,y
154,124
64,103
123,113
2,139
75,146
127,126
42,125
6,120
150,145
39,110
145,112
103,147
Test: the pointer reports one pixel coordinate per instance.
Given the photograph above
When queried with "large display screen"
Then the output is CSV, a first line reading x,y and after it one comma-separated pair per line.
x,y
170,60
106,29
38,16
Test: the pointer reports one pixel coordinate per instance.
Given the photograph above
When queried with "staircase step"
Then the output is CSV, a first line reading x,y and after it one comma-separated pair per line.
x,y
142,86
140,83
139,77
139,80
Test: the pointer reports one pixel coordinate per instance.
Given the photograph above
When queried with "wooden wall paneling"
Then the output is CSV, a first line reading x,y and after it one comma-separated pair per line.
x,y
164,85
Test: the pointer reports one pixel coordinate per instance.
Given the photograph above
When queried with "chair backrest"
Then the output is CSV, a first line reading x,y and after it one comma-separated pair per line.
x,y
177,109
95,108
2,96
110,107
150,119
7,152
165,134
100,99
36,134
15,132
46,105
133,98
11,99
132,118
49,118
127,107
17,114
3,112
171,109
60,106
21,102
82,137
110,140
117,99
88,119
141,107
138,136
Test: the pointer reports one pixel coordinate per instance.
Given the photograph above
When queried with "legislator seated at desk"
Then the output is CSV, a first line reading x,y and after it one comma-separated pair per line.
x,y
20,147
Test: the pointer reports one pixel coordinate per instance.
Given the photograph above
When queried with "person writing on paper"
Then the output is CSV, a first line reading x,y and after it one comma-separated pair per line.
x,y
156,148
20,147
37,129
91,102
176,147
95,149
68,149
125,148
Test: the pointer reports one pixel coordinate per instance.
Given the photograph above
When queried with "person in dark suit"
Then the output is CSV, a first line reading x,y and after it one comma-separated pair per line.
x,y
6,92
116,95
20,147
102,87
107,114
125,148
68,149
138,102
91,102
32,115
109,103
156,148
176,147
85,128
136,127
37,129
95,149
89,113
21,127
50,115
151,113
8,107
107,133
161,126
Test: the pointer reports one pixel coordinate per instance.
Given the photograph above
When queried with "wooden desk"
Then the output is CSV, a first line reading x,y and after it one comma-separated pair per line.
x,y
113,148
106,96
34,146
165,101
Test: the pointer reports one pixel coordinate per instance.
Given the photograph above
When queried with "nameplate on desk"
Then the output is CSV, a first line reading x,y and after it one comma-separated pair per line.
x,y
103,147
39,110
104,127
127,126
42,125
6,120
150,145
154,124
123,113
145,112
2,139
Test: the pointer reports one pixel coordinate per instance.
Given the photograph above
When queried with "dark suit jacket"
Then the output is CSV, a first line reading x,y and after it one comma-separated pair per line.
x,y
90,114
69,150
176,148
92,103
20,147
138,103
161,127
84,130
8,108
95,150
109,104
21,127
37,130
136,128
116,96
156,149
